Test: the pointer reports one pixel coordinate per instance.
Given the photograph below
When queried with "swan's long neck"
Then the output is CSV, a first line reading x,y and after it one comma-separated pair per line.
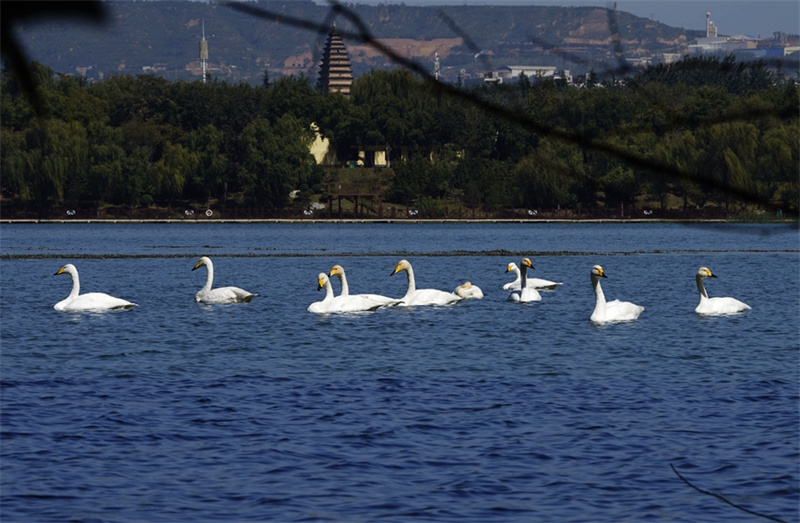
x,y
519,275
328,291
345,287
76,285
701,287
522,274
412,284
209,279
600,298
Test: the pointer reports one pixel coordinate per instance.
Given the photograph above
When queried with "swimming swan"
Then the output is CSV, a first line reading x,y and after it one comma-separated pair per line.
x,y
340,303
614,310
468,291
91,301
338,270
715,306
524,294
221,294
536,283
416,296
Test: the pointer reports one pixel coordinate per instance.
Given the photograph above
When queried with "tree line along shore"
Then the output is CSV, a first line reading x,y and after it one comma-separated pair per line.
x,y
703,138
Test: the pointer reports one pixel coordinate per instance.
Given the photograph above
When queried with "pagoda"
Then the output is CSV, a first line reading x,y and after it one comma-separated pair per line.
x,y
335,71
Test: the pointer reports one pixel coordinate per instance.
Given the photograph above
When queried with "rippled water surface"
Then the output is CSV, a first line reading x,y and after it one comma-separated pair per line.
x,y
482,411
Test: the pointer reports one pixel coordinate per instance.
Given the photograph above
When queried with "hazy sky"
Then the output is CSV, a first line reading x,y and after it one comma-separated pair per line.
x,y
732,17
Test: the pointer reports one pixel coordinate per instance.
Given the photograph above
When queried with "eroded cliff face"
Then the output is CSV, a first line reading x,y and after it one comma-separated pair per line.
x,y
522,40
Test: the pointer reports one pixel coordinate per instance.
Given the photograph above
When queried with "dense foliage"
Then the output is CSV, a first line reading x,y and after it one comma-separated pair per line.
x,y
726,136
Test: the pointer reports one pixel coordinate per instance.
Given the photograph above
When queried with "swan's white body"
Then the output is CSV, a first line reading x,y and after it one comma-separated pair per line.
x,y
524,294
331,303
715,306
613,310
468,291
534,283
338,270
89,302
221,294
414,296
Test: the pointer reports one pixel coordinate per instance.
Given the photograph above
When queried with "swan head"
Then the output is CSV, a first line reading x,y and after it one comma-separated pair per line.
x,y
705,272
67,269
511,267
202,261
337,270
402,265
322,281
597,272
527,263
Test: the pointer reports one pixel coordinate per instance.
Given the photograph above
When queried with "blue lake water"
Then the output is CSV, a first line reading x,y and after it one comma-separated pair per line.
x,y
482,411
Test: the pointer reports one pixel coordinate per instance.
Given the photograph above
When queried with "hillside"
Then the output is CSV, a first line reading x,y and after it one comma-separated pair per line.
x,y
162,37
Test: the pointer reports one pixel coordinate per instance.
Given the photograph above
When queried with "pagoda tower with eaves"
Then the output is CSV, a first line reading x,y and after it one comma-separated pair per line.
x,y
335,71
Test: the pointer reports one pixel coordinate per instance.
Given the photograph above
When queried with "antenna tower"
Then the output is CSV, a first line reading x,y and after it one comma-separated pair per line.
x,y
204,52
436,69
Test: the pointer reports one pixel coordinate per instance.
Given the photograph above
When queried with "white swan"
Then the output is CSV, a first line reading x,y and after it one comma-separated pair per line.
x,y
416,296
340,303
524,294
536,283
338,270
91,301
221,294
715,306
468,291
614,310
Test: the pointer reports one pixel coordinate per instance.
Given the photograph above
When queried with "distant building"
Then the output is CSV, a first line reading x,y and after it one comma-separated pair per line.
x,y
531,71
335,71
714,44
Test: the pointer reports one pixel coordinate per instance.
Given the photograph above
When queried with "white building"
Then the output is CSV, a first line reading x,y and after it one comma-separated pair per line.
x,y
713,44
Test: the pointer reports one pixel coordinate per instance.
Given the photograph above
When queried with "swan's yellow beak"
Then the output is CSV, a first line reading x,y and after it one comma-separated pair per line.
x,y
60,271
335,271
320,283
396,270
601,273
197,265
508,268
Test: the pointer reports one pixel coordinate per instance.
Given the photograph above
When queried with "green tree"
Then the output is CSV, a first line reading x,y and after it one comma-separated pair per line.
x,y
275,160
728,159
106,157
173,169
47,165
546,176
209,178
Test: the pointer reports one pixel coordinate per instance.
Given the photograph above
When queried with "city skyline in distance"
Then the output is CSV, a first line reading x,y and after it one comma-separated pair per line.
x,y
732,17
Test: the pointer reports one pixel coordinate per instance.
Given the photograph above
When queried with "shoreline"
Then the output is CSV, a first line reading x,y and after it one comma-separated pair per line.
x,y
378,221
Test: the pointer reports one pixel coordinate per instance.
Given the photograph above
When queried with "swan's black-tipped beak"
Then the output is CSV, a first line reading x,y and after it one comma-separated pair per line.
x,y
713,275
603,275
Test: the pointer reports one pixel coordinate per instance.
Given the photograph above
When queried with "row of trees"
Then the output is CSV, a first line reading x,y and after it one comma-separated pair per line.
x,y
704,131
